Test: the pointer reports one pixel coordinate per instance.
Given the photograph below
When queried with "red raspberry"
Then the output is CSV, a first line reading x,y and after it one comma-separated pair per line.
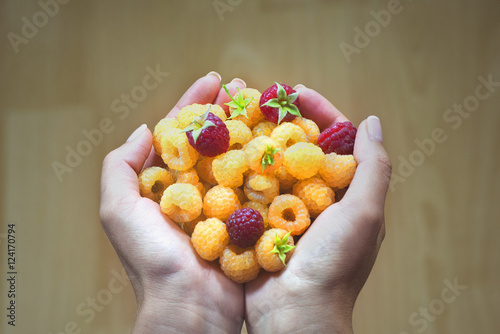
x,y
280,103
208,135
245,226
338,138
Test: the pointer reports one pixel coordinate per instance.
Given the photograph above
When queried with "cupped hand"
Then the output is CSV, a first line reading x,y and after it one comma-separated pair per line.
x,y
176,290
317,290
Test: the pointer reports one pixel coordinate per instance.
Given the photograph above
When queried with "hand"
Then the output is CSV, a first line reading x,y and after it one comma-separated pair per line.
x,y
317,290
176,290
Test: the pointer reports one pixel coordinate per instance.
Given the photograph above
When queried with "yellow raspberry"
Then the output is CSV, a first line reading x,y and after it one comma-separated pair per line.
x,y
263,155
263,210
239,134
239,264
245,106
285,179
181,202
309,127
189,226
274,249
220,202
188,176
262,188
228,168
315,194
188,113
204,169
289,213
162,128
288,134
153,181
303,160
209,238
176,151
338,170
263,129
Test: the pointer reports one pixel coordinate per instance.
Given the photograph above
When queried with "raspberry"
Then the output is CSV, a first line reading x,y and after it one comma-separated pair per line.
x,y
316,195
261,188
189,176
220,202
309,127
280,103
274,249
303,160
239,134
244,106
245,226
189,226
176,151
263,129
239,264
338,170
263,155
210,238
263,210
187,114
161,129
289,213
228,168
153,181
181,202
288,134
339,138
204,169
285,179
208,134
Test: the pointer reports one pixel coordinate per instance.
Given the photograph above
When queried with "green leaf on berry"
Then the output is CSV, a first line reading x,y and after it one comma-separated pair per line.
x,y
281,247
284,103
199,124
268,157
239,104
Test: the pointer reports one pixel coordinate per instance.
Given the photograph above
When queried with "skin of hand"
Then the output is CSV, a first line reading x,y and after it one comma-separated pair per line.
x,y
331,263
176,290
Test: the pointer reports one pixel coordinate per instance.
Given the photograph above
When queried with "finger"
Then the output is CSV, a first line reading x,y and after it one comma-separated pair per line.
x,y
233,86
203,91
153,160
316,107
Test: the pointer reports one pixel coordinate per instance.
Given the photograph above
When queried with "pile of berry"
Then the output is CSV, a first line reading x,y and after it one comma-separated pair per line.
x,y
244,184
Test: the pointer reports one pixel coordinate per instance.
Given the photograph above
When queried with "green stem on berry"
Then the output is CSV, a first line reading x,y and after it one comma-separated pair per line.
x,y
281,247
199,124
284,103
268,157
239,104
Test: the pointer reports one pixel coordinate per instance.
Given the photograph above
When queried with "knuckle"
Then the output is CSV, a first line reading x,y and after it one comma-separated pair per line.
x,y
385,165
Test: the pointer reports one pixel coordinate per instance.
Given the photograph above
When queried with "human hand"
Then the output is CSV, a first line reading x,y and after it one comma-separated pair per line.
x,y
317,290
176,290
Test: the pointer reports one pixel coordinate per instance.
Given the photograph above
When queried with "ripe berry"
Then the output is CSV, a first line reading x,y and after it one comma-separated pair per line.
x,y
153,181
239,264
280,103
244,106
208,135
274,249
339,138
245,226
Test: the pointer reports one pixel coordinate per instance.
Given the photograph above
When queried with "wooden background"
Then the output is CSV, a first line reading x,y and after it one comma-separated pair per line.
x,y
442,221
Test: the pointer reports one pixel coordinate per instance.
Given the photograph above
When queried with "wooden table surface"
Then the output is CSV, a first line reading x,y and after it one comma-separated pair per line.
x,y
429,69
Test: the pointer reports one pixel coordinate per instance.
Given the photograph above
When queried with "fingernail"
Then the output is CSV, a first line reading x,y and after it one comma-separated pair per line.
x,y
299,87
240,81
374,128
215,74
137,132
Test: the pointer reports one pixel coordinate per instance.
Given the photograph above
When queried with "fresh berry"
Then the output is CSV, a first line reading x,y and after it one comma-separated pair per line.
x,y
274,249
204,169
245,226
181,202
338,170
286,180
153,181
262,188
239,134
189,226
288,134
309,127
188,176
289,213
315,194
263,129
244,106
339,138
161,129
187,114
239,264
263,155
176,151
210,238
303,160
228,168
263,210
220,202
280,103
208,134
